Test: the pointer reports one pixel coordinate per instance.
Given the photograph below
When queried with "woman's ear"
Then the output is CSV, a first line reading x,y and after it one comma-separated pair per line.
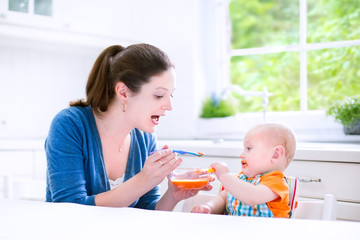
x,y
121,91
279,152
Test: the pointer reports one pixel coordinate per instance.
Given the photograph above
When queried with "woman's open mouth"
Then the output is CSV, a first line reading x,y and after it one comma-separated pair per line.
x,y
155,119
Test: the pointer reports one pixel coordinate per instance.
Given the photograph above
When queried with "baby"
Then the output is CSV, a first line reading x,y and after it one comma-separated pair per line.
x,y
260,189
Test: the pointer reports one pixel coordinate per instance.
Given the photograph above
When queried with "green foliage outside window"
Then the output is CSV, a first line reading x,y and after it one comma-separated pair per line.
x,y
333,74
255,72
214,107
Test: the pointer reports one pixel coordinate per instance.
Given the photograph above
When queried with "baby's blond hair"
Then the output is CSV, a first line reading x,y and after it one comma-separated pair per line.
x,y
280,134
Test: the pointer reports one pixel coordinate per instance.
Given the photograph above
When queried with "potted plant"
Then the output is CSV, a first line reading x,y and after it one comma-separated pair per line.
x,y
216,115
347,112
214,107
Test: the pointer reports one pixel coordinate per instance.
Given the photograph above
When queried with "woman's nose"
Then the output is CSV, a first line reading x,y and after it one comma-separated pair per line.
x,y
168,105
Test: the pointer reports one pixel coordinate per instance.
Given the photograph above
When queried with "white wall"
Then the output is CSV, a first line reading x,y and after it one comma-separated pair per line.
x,y
35,85
39,77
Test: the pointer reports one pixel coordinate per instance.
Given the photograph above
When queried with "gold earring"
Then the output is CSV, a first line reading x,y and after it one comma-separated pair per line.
x,y
124,107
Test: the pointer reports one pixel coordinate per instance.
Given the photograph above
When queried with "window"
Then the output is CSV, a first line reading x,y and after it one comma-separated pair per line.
x,y
36,7
30,13
306,52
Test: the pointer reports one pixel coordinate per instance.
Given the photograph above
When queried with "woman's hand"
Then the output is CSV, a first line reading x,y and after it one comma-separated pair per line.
x,y
181,194
159,164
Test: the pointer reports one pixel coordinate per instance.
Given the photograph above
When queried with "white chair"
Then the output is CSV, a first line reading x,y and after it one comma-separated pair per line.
x,y
293,184
24,188
306,209
317,209
310,209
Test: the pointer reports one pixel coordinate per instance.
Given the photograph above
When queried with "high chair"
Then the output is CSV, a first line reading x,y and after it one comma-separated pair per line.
x,y
303,209
310,209
293,194
317,209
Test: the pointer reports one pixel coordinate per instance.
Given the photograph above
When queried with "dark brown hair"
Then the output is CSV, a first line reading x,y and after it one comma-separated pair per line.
x,y
133,65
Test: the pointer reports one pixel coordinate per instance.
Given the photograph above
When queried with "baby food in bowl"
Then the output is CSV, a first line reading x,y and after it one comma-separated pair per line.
x,y
190,178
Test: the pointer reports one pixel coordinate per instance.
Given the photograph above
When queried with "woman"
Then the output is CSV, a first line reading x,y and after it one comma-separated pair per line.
x,y
98,149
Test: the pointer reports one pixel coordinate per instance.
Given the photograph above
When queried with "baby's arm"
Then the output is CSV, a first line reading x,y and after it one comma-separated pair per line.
x,y
215,206
245,192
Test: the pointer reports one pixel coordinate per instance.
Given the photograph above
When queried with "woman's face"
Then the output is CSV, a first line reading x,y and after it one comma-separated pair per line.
x,y
153,100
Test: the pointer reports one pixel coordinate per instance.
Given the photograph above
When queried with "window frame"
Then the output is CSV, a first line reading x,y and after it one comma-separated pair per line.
x,y
322,123
30,19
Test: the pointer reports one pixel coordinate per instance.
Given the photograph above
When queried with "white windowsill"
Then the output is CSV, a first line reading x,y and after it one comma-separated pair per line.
x,y
313,126
333,152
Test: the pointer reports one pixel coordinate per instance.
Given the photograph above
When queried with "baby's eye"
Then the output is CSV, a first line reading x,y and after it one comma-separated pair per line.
x,y
248,148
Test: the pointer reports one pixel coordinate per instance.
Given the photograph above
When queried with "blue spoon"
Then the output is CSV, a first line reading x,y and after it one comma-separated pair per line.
x,y
182,152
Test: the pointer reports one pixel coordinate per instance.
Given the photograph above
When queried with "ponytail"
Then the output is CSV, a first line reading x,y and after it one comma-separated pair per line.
x,y
98,90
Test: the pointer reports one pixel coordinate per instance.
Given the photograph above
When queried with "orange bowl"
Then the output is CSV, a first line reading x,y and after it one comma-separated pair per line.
x,y
189,178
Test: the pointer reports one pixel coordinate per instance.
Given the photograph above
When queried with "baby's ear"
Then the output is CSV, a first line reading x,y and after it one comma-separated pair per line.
x,y
279,152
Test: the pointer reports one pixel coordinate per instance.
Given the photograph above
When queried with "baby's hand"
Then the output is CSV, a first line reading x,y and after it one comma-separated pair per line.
x,y
201,209
220,168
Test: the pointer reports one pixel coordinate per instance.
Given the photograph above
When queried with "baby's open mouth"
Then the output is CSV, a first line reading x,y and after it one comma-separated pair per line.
x,y
155,119
244,163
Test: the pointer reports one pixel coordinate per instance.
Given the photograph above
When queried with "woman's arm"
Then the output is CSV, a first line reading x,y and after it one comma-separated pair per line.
x,y
125,194
66,178
151,175
167,202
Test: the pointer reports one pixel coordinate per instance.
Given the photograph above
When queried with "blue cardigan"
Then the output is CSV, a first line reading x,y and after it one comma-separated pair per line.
x,y
75,163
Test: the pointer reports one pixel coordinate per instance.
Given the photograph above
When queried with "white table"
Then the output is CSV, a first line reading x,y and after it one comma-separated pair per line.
x,y
40,220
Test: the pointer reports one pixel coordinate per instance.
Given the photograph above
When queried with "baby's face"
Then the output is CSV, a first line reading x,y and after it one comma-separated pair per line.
x,y
257,154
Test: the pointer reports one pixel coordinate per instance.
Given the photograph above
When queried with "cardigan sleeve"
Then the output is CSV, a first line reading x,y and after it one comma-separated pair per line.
x,y
65,160
142,146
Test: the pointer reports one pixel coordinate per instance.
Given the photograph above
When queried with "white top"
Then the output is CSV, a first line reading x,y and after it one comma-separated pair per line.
x,y
116,182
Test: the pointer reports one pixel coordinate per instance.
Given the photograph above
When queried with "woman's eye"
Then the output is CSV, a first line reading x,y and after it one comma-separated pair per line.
x,y
159,96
